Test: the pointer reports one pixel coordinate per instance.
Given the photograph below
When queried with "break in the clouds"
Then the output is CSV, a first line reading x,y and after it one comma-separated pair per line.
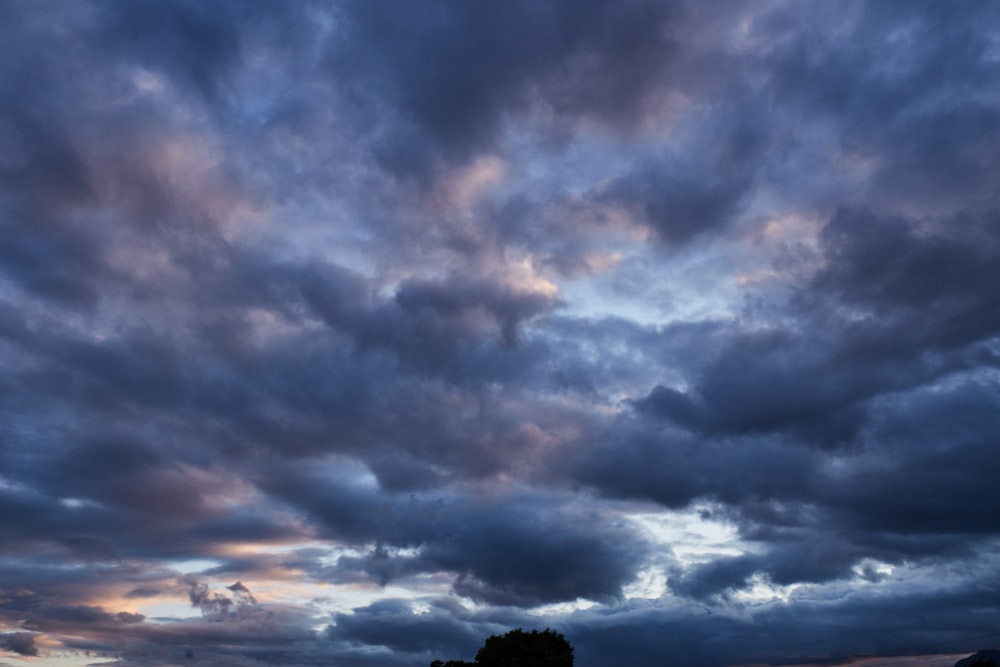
x,y
354,332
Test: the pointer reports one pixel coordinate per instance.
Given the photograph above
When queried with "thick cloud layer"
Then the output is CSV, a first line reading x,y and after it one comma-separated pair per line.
x,y
352,333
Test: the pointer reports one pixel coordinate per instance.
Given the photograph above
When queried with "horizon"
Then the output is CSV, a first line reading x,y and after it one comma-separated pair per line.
x,y
355,332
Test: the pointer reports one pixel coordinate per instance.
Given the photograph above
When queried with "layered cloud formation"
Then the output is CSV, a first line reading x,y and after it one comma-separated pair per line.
x,y
351,333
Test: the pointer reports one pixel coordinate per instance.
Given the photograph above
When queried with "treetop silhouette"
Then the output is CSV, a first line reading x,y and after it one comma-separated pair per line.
x,y
518,648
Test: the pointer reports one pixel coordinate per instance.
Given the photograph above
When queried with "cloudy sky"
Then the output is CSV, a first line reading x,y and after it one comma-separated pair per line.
x,y
350,333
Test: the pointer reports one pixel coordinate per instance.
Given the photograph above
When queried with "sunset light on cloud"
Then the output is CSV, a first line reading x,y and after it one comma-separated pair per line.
x,y
353,332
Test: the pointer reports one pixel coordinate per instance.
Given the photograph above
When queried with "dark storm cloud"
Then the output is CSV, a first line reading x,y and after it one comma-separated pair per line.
x,y
29,517
806,557
452,73
675,469
940,486
499,555
278,274
45,172
918,298
917,490
898,303
770,633
87,159
699,188
21,643
785,382
801,630
561,558
933,277
438,330
426,321
82,615
903,84
443,629
194,43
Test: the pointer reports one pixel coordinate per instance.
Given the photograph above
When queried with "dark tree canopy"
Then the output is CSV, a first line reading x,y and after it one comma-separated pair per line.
x,y
518,648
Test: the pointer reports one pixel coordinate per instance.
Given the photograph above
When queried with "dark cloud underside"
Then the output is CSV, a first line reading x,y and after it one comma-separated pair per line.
x,y
354,332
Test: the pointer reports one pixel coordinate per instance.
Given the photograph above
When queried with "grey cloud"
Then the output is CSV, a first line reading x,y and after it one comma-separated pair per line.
x,y
196,44
941,486
235,307
142,592
905,270
243,594
676,406
901,82
505,562
800,630
392,623
818,378
674,469
699,190
508,307
425,321
809,557
88,615
814,521
497,554
810,631
21,643
218,607
454,72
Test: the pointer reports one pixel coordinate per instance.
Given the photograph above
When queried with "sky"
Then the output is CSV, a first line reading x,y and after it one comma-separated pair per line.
x,y
353,332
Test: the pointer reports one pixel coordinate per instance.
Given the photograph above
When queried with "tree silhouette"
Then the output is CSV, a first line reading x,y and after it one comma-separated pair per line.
x,y
518,648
